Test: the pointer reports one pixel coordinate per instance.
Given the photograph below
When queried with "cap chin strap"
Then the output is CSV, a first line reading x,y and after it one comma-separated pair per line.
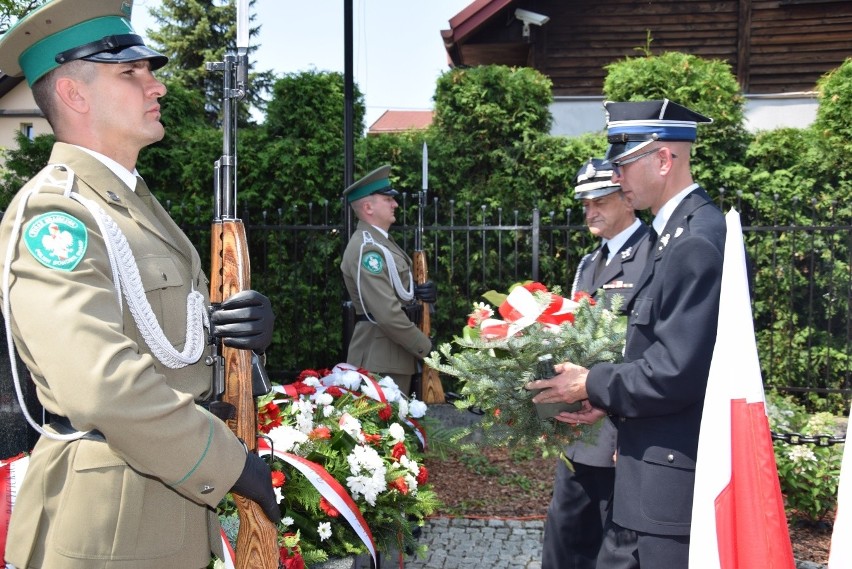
x,y
393,275
127,282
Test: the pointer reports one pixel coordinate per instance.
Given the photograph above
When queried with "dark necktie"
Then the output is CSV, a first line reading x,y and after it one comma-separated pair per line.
x,y
144,193
652,242
600,262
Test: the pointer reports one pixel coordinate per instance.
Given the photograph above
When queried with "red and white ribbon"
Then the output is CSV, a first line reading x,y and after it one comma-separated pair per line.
x,y
230,556
521,309
12,472
330,489
418,429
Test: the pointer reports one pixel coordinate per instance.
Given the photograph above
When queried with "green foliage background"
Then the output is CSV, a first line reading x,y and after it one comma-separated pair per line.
x,y
492,158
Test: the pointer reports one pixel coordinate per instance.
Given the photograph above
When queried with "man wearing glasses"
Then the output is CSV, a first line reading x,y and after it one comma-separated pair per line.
x,y
656,396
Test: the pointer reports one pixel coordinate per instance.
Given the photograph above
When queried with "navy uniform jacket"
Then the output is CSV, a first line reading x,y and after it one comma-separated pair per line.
x,y
619,277
656,396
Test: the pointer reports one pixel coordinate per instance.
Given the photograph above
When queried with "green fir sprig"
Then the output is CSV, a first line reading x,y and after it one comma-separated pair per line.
x,y
493,373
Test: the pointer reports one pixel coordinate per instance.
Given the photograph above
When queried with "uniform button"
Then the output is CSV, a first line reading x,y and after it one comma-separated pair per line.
x,y
622,419
670,457
205,489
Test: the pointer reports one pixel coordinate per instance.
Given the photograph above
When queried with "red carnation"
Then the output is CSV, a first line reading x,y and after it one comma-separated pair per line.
x,y
329,510
535,286
386,412
580,295
321,432
400,485
334,391
306,374
291,561
422,476
303,389
398,451
372,439
278,479
269,417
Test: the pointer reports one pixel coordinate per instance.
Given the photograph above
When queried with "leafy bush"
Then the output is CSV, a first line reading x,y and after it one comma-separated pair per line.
x,y
808,473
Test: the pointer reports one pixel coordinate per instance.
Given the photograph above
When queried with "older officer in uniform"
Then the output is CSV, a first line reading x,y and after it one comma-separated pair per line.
x,y
108,304
377,274
656,396
585,474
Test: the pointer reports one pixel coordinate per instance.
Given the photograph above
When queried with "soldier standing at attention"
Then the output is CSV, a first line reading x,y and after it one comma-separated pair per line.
x,y
377,274
108,306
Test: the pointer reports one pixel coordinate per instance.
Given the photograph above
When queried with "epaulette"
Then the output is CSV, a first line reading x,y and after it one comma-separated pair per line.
x,y
54,178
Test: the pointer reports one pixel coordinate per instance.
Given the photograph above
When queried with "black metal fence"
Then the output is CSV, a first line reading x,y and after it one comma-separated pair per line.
x,y
801,300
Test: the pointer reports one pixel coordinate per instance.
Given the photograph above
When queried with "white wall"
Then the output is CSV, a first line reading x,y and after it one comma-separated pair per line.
x,y
18,108
573,116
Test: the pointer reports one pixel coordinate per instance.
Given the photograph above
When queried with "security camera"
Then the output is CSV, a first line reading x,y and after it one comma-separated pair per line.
x,y
528,18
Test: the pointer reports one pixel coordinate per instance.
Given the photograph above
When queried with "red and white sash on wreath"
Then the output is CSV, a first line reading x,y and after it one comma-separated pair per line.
x,y
330,489
12,472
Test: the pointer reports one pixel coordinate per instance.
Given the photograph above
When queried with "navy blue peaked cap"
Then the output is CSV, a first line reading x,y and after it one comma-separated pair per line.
x,y
633,125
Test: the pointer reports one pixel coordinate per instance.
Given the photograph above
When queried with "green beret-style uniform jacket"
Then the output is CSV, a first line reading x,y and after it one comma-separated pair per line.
x,y
393,344
145,496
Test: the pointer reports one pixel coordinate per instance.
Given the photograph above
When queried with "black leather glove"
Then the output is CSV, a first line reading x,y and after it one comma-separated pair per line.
x,y
244,321
426,292
255,483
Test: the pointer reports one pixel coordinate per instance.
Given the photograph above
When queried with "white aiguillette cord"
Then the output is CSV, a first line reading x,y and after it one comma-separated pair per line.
x,y
393,274
127,282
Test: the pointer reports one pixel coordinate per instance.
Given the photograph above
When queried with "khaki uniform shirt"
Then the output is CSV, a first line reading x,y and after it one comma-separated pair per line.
x,y
145,497
393,344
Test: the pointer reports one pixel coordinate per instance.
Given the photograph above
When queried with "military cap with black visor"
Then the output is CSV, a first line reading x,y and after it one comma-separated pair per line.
x,y
632,126
68,30
376,182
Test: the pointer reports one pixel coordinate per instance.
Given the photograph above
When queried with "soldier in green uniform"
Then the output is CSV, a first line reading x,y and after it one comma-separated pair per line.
x,y
377,274
108,305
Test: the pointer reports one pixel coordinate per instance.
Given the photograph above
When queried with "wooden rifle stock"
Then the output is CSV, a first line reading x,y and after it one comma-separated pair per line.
x,y
257,540
430,382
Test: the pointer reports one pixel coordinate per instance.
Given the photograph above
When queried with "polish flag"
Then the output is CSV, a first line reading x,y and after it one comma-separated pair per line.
x,y
840,556
738,519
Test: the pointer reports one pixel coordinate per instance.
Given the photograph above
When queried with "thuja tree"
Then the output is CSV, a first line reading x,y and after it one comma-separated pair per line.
x,y
490,156
799,182
193,33
704,85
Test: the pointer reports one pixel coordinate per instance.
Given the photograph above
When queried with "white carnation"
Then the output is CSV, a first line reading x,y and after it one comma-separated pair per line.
x,y
396,433
351,426
368,474
416,408
323,398
324,530
391,389
286,438
312,381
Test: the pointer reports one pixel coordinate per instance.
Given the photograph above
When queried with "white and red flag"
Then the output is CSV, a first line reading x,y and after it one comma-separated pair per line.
x,y
738,519
840,556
